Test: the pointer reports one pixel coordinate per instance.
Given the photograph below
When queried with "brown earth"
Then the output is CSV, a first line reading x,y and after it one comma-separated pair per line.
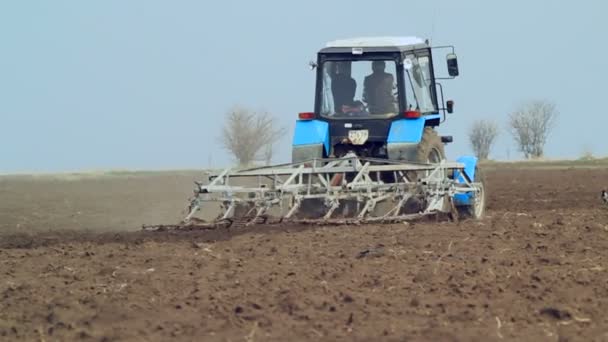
x,y
535,269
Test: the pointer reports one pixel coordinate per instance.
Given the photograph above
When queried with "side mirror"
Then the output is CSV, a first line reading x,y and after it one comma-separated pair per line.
x,y
450,106
452,64
312,65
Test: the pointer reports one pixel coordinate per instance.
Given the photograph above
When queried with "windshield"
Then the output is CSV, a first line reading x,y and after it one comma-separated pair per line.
x,y
418,93
363,88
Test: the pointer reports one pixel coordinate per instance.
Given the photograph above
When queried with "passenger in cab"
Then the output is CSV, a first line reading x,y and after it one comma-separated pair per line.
x,y
378,90
343,86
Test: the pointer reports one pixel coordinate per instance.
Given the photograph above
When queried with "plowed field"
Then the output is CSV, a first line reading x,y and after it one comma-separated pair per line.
x,y
73,268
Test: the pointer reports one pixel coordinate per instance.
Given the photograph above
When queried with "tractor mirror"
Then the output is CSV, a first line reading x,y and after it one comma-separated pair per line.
x,y
450,106
452,65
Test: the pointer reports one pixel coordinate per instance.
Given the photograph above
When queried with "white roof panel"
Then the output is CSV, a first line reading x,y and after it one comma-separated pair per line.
x,y
363,42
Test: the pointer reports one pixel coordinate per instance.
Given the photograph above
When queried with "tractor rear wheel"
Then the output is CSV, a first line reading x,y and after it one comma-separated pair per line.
x,y
430,151
430,148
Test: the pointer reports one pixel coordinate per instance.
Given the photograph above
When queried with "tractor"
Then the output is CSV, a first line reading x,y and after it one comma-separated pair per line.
x,y
375,97
367,152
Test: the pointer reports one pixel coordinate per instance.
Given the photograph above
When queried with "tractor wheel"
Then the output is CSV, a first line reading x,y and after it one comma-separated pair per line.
x,y
477,209
430,148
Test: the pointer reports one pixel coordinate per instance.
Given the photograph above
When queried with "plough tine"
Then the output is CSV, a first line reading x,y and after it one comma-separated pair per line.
x,y
295,207
397,209
193,210
334,205
230,211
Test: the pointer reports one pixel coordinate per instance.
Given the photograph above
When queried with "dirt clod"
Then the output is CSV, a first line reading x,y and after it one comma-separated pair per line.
x,y
555,313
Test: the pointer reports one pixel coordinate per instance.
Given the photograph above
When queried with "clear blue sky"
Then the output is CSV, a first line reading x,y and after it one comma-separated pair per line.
x,y
144,84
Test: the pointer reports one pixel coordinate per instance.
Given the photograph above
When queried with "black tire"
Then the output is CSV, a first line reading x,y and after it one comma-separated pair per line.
x,y
477,209
430,148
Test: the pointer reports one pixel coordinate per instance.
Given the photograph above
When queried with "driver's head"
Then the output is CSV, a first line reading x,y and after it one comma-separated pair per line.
x,y
378,66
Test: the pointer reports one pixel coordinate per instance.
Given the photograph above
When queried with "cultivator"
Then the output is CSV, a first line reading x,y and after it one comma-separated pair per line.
x,y
347,190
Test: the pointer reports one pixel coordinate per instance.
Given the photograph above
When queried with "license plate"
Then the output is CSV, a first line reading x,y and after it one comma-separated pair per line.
x,y
358,137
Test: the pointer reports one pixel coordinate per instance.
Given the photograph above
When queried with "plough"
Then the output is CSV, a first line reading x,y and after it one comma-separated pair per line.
x,y
347,190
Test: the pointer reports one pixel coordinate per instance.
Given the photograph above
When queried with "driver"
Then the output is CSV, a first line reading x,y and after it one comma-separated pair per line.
x,y
343,86
378,90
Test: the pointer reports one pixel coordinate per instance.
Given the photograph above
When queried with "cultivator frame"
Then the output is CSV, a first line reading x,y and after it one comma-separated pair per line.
x,y
344,190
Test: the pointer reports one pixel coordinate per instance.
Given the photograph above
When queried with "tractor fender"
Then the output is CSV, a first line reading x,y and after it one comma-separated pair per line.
x,y
310,140
404,136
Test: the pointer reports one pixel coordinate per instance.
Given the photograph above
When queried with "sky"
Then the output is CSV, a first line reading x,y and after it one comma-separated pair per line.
x,y
145,84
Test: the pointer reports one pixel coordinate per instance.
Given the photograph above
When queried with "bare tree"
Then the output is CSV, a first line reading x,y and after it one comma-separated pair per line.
x,y
531,125
249,135
482,135
268,152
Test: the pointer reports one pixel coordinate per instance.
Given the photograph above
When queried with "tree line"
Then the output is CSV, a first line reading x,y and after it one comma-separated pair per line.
x,y
529,126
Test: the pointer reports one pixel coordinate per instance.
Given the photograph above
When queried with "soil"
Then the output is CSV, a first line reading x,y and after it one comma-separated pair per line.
x,y
73,268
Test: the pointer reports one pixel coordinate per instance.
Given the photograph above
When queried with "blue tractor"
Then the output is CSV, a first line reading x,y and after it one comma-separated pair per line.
x,y
378,97
369,152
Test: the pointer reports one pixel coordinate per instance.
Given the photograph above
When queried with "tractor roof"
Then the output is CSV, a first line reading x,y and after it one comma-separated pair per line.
x,y
376,44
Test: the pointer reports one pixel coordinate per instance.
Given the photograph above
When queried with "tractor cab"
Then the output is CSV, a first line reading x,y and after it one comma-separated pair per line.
x,y
375,79
365,87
